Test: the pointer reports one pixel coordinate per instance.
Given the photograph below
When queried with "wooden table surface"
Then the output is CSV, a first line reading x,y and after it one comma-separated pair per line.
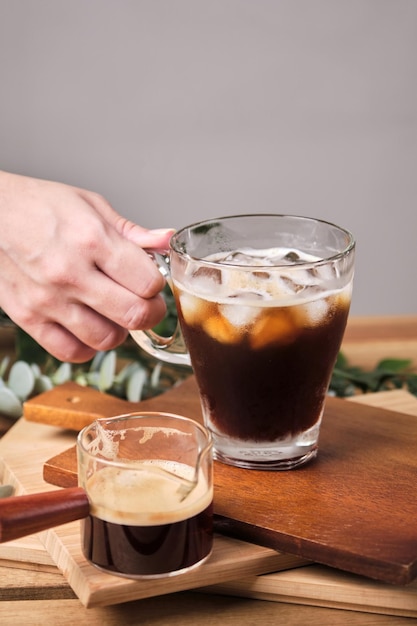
x,y
43,597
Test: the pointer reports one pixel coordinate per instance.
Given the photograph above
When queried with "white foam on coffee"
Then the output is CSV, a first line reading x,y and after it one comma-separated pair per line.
x,y
277,282
305,291
146,495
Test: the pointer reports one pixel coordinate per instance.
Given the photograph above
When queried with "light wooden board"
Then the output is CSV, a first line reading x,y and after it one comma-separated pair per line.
x,y
27,553
343,510
30,553
318,585
24,449
321,586
184,609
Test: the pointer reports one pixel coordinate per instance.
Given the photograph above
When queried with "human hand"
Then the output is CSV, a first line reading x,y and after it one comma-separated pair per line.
x,y
75,275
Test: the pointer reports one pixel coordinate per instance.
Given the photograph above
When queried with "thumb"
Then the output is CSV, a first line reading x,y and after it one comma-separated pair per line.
x,y
157,239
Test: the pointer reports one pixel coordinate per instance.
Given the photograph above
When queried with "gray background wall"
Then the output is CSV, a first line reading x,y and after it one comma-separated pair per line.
x,y
179,110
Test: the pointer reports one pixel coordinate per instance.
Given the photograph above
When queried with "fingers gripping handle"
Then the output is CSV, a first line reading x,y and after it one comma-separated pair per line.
x,y
169,349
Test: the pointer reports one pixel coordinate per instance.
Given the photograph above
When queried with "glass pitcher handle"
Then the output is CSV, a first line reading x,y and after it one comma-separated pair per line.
x,y
169,349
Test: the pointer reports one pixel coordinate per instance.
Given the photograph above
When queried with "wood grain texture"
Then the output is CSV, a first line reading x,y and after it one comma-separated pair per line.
x,y
344,510
323,586
185,609
24,449
316,587
353,508
29,514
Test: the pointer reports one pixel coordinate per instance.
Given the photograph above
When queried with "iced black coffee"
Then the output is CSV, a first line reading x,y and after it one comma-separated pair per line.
x,y
263,343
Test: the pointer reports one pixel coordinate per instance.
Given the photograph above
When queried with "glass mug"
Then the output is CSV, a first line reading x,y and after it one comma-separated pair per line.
x,y
262,302
149,482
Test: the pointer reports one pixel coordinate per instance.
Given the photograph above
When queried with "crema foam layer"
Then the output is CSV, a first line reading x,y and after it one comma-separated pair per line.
x,y
147,494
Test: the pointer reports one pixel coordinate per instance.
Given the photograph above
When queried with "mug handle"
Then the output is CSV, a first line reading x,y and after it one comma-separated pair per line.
x,y
169,349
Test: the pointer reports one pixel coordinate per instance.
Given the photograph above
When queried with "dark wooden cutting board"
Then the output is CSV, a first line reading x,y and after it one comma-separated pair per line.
x,y
353,508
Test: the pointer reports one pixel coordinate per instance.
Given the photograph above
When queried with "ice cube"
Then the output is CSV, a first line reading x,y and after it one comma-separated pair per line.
x,y
274,326
192,308
290,286
314,312
220,329
246,257
237,283
205,280
301,278
285,286
325,273
213,274
261,275
239,315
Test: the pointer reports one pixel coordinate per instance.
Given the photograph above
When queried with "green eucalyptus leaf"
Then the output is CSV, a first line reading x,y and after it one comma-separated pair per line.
x,y
107,371
156,375
92,379
135,385
4,365
397,382
393,366
81,379
43,383
97,361
62,374
389,373
412,384
341,361
36,370
122,376
10,404
21,379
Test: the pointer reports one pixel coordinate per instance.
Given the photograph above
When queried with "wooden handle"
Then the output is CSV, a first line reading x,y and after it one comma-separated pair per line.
x,y
25,515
